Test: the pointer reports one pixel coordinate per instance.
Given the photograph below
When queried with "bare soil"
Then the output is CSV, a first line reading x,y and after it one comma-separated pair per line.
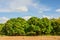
x,y
29,37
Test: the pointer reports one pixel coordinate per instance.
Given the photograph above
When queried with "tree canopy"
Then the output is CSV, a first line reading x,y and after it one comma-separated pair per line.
x,y
32,27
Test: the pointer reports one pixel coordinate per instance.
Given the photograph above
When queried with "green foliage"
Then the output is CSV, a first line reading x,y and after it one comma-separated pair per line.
x,y
1,26
32,27
14,27
46,26
34,21
56,26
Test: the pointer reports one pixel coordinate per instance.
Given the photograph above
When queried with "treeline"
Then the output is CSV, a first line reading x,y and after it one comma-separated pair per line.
x,y
32,27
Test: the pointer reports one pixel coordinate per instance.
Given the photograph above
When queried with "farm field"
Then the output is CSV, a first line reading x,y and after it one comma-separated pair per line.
x,y
29,37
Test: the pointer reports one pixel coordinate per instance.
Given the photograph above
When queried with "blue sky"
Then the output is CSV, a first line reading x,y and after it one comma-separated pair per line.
x,y
27,8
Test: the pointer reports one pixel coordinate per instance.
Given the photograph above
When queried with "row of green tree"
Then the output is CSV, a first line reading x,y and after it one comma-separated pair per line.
x,y
32,27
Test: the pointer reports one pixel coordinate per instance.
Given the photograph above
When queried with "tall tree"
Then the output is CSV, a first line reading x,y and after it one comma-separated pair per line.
x,y
15,26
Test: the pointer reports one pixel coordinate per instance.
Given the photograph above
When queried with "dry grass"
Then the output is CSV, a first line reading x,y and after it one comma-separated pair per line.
x,y
29,37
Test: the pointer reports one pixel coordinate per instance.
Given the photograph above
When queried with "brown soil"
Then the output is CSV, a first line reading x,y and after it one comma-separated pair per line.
x,y
29,37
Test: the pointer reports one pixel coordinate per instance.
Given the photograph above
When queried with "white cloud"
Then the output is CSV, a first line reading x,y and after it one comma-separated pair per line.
x,y
5,10
15,5
58,10
22,9
41,8
3,19
40,11
26,17
49,17
21,6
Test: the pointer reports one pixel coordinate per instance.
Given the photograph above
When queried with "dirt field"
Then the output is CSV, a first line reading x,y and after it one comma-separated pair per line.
x,y
30,38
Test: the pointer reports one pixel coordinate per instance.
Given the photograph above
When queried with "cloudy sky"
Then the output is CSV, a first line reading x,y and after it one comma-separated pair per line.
x,y
27,8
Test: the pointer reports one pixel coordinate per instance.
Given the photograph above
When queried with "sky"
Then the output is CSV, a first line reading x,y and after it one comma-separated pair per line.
x,y
28,8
